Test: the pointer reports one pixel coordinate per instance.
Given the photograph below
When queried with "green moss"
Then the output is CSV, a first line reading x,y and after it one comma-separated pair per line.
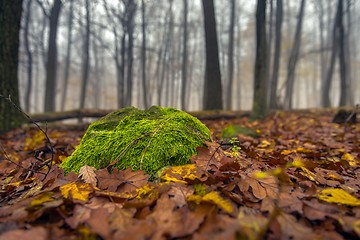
x,y
147,140
234,130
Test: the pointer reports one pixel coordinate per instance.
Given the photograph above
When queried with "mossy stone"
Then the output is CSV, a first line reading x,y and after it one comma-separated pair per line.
x,y
234,130
140,139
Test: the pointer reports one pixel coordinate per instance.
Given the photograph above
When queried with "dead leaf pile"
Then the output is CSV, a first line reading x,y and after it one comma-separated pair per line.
x,y
299,180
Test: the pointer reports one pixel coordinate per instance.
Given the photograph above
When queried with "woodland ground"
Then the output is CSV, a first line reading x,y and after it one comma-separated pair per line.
x,y
299,179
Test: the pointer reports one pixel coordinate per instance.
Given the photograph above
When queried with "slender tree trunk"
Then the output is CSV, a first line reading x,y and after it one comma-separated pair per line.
x,y
51,66
184,57
277,55
165,55
131,9
29,57
327,83
294,55
212,87
143,55
68,55
259,108
349,86
229,95
322,42
86,57
344,93
10,16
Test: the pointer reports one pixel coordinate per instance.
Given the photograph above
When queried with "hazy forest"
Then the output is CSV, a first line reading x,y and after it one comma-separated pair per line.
x,y
110,54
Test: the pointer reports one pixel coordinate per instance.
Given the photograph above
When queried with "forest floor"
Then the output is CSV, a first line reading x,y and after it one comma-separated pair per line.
x,y
299,179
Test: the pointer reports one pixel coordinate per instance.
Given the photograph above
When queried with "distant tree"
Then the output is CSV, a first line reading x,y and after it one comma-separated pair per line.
x,y
86,56
130,10
68,54
184,57
51,63
293,59
276,62
344,84
212,87
29,66
229,95
325,98
259,108
143,55
10,15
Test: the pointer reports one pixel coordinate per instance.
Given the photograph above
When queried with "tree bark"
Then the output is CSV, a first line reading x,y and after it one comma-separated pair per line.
x,y
68,55
212,87
259,108
277,55
51,63
130,12
231,56
344,93
184,57
293,59
328,79
10,15
86,57
143,56
29,57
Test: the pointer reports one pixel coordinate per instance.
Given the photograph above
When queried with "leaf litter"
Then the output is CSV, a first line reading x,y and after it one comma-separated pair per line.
x,y
299,178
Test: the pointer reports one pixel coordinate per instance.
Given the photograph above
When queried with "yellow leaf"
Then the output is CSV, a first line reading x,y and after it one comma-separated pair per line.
x,y
337,195
42,198
303,150
264,144
286,152
350,158
35,141
180,173
298,163
215,198
77,191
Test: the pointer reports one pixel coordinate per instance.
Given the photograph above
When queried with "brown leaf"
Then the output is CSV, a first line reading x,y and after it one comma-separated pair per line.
x,y
109,181
87,173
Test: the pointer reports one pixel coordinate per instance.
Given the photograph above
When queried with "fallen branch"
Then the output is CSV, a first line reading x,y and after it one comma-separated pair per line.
x,y
97,113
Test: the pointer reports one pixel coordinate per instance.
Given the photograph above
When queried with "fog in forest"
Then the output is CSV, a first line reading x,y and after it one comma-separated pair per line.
x,y
112,54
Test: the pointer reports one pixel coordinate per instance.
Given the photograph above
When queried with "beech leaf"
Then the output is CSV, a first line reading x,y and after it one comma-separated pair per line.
x,y
87,173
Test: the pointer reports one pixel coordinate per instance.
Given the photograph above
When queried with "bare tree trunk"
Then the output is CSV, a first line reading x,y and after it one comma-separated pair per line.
x,y
10,17
327,83
277,55
349,86
51,66
29,57
229,95
184,57
143,55
86,57
130,15
212,86
344,93
68,55
294,55
259,108
322,42
165,56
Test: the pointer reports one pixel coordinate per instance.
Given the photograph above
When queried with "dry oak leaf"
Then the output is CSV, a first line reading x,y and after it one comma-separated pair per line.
x,y
87,173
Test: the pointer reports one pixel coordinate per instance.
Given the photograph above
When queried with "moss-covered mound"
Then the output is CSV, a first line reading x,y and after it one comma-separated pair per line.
x,y
147,140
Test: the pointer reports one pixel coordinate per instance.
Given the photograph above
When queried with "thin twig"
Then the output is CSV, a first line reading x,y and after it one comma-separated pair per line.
x,y
47,163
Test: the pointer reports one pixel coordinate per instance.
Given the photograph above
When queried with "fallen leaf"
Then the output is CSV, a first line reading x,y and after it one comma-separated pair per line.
x,y
337,195
87,173
77,191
